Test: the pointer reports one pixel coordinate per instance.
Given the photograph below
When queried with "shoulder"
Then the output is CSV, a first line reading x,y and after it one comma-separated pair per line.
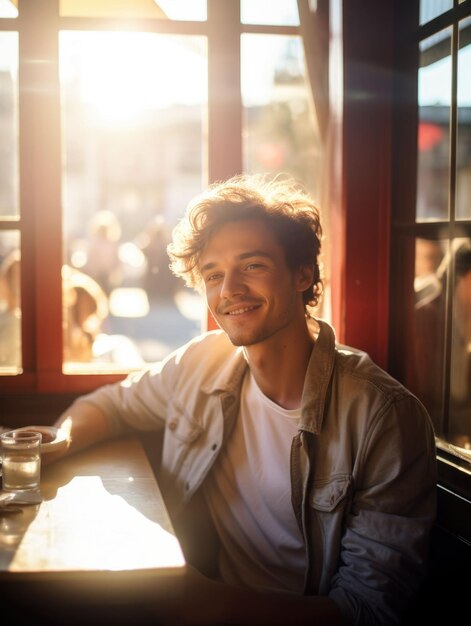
x,y
364,384
204,357
381,416
357,366
361,378
213,344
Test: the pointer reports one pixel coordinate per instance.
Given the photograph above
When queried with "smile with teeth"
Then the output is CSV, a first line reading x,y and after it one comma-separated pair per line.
x,y
242,310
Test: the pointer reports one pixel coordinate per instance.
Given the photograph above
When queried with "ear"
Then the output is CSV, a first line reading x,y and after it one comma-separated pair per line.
x,y
303,277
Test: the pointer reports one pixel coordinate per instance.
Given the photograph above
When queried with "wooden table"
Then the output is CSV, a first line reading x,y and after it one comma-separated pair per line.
x,y
102,531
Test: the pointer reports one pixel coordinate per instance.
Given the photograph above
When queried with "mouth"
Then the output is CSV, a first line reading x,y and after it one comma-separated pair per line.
x,y
241,310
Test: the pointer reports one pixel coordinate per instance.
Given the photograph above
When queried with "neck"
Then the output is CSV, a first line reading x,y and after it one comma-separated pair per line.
x,y
279,366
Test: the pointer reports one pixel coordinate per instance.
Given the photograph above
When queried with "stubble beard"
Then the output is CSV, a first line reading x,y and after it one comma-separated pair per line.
x,y
246,337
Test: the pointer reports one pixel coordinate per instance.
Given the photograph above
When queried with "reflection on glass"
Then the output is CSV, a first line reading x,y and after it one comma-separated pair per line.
x,y
459,432
10,303
463,144
274,12
134,109
429,9
427,358
280,133
9,124
160,9
8,8
434,85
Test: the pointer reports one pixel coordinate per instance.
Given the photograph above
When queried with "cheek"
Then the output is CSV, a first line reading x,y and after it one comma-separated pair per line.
x,y
211,297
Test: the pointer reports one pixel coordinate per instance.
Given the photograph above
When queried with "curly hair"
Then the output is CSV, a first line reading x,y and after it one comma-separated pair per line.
x,y
283,205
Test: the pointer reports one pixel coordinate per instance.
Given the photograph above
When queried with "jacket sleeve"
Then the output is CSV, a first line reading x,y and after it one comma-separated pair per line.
x,y
384,547
140,401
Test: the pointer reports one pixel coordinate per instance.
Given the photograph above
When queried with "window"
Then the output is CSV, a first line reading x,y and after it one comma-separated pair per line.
x,y
10,284
431,258
134,136
113,115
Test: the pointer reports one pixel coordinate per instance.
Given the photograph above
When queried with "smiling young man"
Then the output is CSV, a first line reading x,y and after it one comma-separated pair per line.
x,y
258,302
300,477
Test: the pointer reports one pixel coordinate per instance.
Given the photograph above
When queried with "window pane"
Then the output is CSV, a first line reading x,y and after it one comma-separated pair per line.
x,y
280,133
463,144
427,357
9,124
429,9
10,303
274,12
434,92
8,8
134,155
161,9
195,10
459,430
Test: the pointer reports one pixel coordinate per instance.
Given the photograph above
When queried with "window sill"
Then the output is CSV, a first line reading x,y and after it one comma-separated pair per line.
x,y
454,495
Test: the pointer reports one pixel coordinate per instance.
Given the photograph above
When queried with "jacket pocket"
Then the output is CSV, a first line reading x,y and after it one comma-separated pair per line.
x,y
183,427
326,494
180,447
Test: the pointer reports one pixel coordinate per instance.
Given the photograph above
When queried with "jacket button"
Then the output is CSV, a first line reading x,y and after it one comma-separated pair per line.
x,y
214,446
172,424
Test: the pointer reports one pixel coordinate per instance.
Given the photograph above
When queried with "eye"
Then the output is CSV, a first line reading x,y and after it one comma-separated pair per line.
x,y
212,277
254,266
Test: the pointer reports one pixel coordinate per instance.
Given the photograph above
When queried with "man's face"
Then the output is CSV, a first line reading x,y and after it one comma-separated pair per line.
x,y
249,289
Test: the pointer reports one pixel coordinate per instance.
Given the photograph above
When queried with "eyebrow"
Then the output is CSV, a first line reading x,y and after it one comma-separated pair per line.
x,y
240,257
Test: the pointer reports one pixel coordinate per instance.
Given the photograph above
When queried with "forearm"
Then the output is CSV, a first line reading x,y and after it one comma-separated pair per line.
x,y
84,424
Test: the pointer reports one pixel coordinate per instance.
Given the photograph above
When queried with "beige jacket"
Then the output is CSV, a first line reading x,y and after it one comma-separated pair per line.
x,y
363,467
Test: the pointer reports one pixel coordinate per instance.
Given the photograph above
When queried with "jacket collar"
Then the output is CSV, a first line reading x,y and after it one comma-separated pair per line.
x,y
317,381
228,378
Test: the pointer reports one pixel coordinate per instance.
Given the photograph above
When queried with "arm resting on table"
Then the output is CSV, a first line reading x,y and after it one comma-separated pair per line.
x,y
85,425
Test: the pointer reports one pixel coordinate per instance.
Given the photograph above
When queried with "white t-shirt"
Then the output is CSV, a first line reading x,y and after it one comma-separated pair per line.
x,y
249,497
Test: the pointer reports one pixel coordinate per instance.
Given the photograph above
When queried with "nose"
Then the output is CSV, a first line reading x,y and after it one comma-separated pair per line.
x,y
232,285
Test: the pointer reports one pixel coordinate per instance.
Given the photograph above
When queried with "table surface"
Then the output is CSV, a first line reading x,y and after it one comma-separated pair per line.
x,y
102,510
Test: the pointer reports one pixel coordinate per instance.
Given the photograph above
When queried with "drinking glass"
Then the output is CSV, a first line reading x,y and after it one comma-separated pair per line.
x,y
21,460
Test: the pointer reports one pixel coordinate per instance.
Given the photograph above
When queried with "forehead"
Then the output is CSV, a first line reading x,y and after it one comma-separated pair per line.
x,y
240,237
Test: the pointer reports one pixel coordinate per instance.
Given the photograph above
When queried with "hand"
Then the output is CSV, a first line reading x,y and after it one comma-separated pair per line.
x,y
52,457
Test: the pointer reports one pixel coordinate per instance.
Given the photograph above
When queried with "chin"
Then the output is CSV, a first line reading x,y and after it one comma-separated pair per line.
x,y
240,340
235,339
